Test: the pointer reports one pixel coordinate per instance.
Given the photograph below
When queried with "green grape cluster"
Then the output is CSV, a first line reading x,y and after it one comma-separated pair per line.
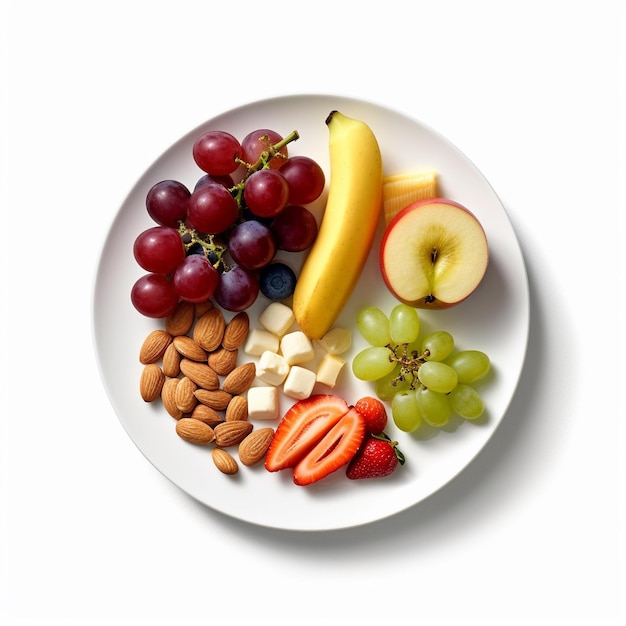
x,y
425,380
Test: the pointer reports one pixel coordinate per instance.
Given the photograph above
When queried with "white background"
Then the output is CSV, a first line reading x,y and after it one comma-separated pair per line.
x,y
532,92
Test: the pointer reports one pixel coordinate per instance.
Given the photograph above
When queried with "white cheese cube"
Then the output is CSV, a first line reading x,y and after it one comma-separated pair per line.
x,y
277,318
259,341
272,368
300,382
263,403
297,348
329,369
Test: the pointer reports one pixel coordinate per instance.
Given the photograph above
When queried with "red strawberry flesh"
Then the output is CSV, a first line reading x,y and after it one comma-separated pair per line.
x,y
333,451
301,428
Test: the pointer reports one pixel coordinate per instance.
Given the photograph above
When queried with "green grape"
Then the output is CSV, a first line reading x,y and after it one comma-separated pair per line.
x,y
385,390
372,363
470,365
373,325
404,324
466,402
437,376
404,411
434,407
438,344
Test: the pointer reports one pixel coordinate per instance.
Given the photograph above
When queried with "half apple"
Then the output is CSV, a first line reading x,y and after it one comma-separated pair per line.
x,y
433,254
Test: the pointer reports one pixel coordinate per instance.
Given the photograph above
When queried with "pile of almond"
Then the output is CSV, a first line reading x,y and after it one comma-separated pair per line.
x,y
192,366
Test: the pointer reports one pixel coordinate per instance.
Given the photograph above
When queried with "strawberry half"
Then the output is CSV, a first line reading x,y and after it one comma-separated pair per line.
x,y
336,449
378,457
301,428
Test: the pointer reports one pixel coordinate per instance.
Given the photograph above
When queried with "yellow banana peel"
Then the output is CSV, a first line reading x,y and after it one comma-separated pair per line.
x,y
335,262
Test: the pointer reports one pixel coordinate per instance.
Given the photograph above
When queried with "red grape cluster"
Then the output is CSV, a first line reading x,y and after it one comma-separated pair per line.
x,y
217,240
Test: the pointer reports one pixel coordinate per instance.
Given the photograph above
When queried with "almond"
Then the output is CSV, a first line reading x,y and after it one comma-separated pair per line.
x,y
218,399
237,409
203,307
171,361
168,397
254,446
189,348
236,331
151,382
207,415
240,379
181,320
154,346
200,374
184,396
225,462
209,330
231,433
223,361
194,431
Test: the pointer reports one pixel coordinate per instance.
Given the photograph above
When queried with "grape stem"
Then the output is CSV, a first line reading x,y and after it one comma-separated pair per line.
x,y
409,363
213,251
266,156
263,162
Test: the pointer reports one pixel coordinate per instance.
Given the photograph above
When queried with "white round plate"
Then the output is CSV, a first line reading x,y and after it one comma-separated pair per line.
x,y
494,319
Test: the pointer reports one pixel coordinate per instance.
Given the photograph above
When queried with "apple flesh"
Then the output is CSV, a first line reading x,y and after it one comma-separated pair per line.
x,y
433,254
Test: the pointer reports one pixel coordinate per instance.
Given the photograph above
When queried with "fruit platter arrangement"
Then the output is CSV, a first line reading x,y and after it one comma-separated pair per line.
x,y
311,313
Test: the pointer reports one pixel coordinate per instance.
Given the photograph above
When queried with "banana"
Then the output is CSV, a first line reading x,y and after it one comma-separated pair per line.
x,y
336,259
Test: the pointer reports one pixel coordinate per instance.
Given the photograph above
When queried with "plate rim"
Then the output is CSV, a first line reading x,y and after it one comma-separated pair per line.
x,y
237,110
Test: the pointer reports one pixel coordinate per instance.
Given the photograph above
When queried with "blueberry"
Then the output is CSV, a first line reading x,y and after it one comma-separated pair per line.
x,y
277,281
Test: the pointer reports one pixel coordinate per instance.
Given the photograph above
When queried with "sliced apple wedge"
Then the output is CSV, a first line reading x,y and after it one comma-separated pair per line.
x,y
433,254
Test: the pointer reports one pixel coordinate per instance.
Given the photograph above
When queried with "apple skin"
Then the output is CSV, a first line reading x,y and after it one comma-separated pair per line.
x,y
399,235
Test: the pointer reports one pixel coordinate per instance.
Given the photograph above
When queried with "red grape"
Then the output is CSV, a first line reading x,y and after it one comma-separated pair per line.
x,y
305,179
212,209
251,245
159,249
237,289
195,279
153,295
207,179
294,229
266,193
251,197
259,141
167,202
216,152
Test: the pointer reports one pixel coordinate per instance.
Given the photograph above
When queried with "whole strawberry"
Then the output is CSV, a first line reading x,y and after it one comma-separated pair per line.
x,y
374,413
377,457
